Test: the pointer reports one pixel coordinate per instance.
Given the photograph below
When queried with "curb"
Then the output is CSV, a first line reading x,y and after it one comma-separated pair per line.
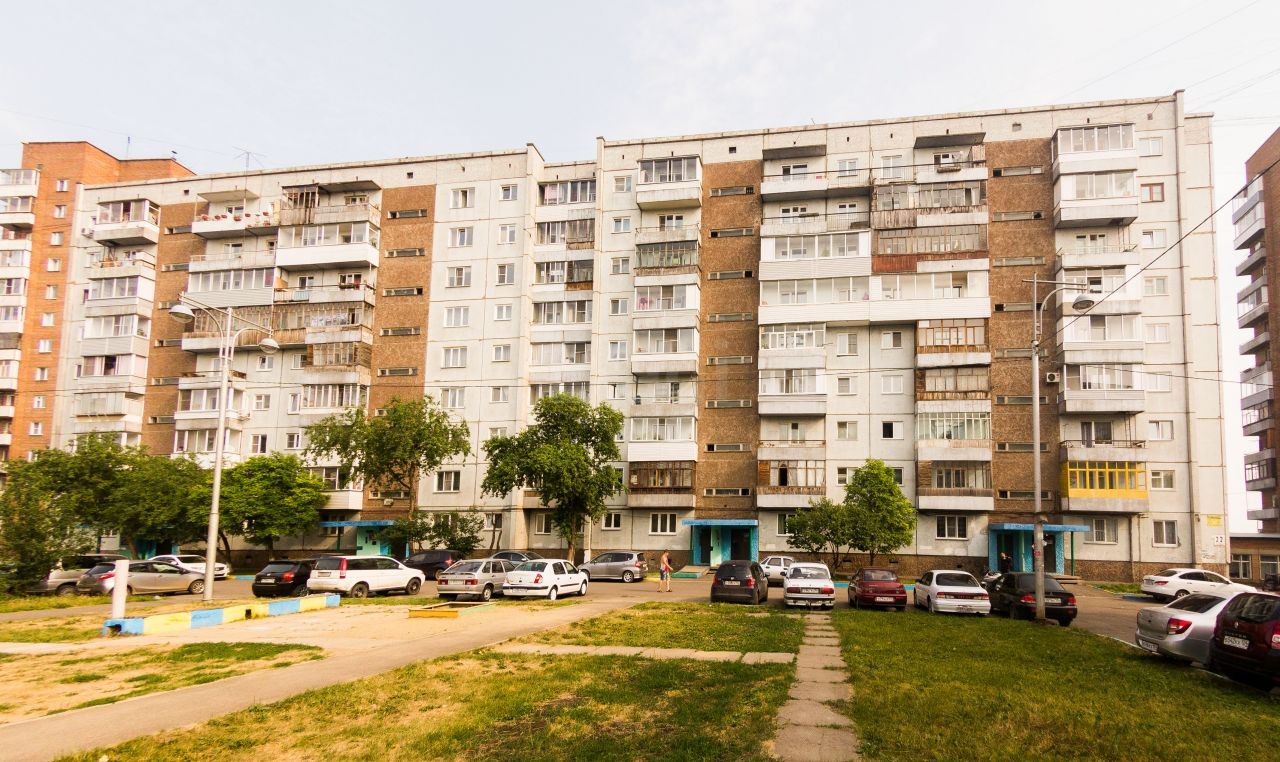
x,y
199,618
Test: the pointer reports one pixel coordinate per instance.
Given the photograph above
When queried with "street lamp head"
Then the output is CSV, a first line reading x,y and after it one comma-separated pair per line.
x,y
182,313
1083,302
269,346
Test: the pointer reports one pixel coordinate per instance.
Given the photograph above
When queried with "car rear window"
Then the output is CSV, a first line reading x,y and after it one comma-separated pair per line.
x,y
1260,608
1197,604
533,566
955,580
329,564
277,568
102,568
727,570
1167,573
878,575
808,572
1028,582
466,567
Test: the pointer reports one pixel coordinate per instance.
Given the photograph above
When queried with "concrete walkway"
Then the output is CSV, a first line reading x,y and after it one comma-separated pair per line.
x,y
809,730
49,737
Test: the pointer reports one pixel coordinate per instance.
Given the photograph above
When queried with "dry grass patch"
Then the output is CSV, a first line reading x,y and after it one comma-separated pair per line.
x,y
701,626
67,629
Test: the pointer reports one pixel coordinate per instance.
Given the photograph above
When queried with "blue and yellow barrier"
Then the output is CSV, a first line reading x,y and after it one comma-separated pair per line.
x,y
194,620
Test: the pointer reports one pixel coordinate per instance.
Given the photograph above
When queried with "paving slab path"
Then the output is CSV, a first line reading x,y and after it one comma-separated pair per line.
x,y
809,728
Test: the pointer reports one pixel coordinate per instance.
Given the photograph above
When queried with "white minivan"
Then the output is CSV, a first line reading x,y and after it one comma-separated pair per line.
x,y
359,576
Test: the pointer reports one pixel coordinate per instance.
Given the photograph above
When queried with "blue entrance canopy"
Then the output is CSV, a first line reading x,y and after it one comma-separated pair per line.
x,y
721,523
366,523
1047,527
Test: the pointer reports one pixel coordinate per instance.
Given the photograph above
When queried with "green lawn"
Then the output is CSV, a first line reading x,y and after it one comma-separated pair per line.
x,y
1120,588
944,687
702,626
9,605
65,629
503,707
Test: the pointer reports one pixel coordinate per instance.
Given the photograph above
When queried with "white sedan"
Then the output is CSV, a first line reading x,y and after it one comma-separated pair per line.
x,y
192,563
544,578
1175,583
775,568
946,590
809,585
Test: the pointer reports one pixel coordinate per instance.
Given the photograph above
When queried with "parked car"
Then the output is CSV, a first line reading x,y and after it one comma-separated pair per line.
x,y
743,581
1246,640
946,590
192,563
359,576
626,565
144,577
544,577
63,577
482,578
809,585
516,557
877,586
1015,594
1181,630
1175,583
775,568
433,562
283,577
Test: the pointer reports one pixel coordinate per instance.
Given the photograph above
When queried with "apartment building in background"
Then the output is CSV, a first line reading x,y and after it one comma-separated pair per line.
x,y
768,308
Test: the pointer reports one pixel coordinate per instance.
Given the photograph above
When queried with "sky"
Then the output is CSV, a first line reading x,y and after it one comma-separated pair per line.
x,y
233,84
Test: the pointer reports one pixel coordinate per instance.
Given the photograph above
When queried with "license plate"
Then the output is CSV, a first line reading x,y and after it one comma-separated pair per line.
x,y
323,574
1053,601
1234,642
884,599
809,590
970,608
731,583
1148,646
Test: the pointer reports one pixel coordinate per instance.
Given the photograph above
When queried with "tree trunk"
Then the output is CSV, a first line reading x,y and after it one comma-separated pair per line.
x,y
226,547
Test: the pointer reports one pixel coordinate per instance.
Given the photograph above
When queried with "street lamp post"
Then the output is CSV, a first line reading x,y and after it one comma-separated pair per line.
x,y
1081,302
225,318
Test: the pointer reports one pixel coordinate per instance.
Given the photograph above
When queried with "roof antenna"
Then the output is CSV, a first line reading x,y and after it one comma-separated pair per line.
x,y
248,155
128,143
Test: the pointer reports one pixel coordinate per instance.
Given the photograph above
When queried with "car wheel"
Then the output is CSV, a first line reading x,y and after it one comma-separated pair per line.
x,y
67,589
1064,622
196,587
413,587
582,589
439,575
300,591
628,576
487,593
1180,594
854,601
128,590
552,594
359,590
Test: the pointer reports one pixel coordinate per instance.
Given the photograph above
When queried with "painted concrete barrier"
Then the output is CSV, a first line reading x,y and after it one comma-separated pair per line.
x,y
200,618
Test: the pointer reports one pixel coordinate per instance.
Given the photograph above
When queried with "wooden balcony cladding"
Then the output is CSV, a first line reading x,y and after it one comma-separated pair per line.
x,y
954,492
907,263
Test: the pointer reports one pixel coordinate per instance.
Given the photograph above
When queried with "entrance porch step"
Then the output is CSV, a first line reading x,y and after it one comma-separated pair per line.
x,y
1066,579
691,572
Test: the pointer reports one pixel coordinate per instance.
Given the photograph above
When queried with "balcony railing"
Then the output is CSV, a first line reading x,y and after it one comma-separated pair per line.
x,y
954,492
1125,443
831,222
331,213
793,442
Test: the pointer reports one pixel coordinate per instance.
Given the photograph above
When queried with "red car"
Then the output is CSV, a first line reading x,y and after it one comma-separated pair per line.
x,y
875,586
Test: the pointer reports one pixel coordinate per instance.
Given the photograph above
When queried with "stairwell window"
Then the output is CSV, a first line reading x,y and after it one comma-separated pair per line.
x,y
1165,533
952,528
662,523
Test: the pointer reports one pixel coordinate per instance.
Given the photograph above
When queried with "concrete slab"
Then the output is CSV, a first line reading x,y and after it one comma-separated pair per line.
x,y
815,675
715,656
814,640
819,651
821,691
767,657
820,631
618,650
796,743
668,653
820,662
811,714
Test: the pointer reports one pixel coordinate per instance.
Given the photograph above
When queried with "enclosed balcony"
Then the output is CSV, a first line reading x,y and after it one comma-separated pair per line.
x,y
1250,226
666,258
1094,148
1252,304
790,483
127,223
665,351
1102,339
907,205
662,438
19,182
1259,417
235,225
1103,486
957,430
17,212
799,447
348,244
1260,470
661,484
111,262
14,241
792,392
671,183
1101,199
329,214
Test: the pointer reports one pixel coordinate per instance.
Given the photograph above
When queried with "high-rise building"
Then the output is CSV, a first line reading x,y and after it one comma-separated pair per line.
x,y
768,308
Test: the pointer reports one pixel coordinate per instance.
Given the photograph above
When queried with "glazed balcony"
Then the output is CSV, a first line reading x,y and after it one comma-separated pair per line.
x,y
1250,226
127,223
813,223
1101,401
17,212
19,182
1252,304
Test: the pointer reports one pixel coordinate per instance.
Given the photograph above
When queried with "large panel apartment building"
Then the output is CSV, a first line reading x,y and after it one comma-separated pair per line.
x,y
768,308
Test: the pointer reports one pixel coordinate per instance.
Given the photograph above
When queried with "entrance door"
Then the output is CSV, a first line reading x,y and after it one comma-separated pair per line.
x,y
740,543
1051,554
704,544
1007,543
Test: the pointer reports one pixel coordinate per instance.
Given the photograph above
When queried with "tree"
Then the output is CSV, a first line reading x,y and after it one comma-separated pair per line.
x,y
391,451
39,520
407,532
159,498
271,496
455,530
883,519
565,455
87,479
825,527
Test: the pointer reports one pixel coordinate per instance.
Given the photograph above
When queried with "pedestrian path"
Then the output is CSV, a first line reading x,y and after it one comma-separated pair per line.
x,y
809,729
750,657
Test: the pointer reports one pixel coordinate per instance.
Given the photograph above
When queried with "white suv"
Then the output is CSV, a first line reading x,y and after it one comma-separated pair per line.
x,y
358,576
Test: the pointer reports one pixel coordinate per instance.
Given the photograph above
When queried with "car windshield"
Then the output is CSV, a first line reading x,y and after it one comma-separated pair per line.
x,y
465,567
190,559
957,579
277,568
532,566
1197,604
879,575
809,572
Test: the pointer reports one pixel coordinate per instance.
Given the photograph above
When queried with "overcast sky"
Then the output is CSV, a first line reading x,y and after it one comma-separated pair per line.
x,y
318,82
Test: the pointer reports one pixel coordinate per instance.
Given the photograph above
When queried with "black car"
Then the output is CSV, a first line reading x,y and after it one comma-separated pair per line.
x,y
433,562
283,577
1015,594
743,581
1246,640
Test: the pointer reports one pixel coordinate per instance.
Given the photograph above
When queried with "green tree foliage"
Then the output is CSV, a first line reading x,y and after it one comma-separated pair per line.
x,y
159,498
824,528
391,451
566,456
39,521
407,533
271,496
455,531
883,518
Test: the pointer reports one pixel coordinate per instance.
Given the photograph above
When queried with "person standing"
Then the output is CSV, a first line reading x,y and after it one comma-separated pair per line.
x,y
1006,563
664,571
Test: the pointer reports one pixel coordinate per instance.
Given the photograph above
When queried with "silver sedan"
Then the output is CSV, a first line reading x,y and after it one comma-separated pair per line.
x,y
480,579
1181,630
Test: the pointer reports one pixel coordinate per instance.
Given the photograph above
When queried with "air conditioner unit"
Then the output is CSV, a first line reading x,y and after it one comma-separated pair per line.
x,y
1052,377
637,399
388,502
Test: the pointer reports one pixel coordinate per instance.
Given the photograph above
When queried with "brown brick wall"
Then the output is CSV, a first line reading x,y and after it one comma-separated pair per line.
x,y
728,425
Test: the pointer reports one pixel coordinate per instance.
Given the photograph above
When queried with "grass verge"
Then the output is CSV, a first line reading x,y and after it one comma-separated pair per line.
x,y
991,688
1120,588
9,605
53,630
701,626
491,706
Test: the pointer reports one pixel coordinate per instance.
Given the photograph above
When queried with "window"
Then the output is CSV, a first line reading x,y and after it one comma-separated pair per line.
x,y
1102,531
44,346
455,357
258,444
62,185
846,385
499,394
891,339
784,524
620,265
1155,285
1160,431
448,481
1150,192
461,236
1161,480
497,431
1166,533
293,440
662,523
502,312
612,520
542,523
458,277
262,402
617,350
622,224
1153,239
953,528
672,170
1158,382
46,319
53,265
622,183
37,402
506,234
457,317
1157,333
55,238
1150,146
617,306
50,292
891,384
502,353
892,168
1240,566
35,428
508,193
266,362
453,397
295,402
842,475
846,344
42,374
846,167
1268,565
462,198
891,430
847,430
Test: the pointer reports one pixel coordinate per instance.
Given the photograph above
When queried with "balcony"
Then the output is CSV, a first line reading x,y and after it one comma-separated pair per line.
x,y
952,171
340,254
7,411
1095,257
794,186
19,182
791,449
770,496
1076,352
806,404
1258,345
647,406
331,214
235,225
1260,470
1258,417
1101,401
668,450
1250,226
13,241
344,500
8,383
108,263
667,234
1097,486
1130,450
1094,148
968,450
16,212
1252,305
948,499
1257,256
364,293
813,223
670,195
133,344
1094,212
665,363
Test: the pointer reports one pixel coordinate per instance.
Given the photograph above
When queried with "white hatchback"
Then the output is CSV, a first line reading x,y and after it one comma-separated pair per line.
x,y
192,563
360,576
946,590
545,578
1176,583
